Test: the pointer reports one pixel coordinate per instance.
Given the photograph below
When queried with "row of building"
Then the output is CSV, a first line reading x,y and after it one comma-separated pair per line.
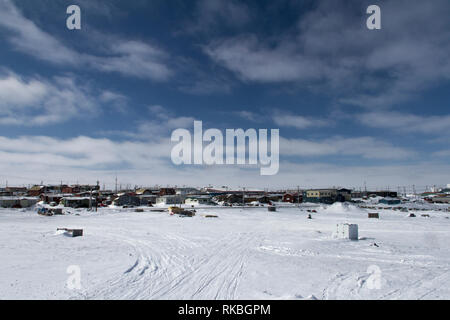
x,y
88,196
438,195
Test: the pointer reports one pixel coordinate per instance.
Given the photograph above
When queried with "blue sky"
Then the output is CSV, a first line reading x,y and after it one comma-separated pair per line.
x,y
352,105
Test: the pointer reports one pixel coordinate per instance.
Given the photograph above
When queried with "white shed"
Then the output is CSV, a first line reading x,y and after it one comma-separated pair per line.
x,y
347,231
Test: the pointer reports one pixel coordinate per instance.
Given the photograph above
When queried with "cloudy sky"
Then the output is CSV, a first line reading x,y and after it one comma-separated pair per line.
x,y
353,106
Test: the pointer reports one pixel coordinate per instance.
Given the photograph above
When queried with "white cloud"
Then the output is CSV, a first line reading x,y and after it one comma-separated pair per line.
x,y
158,111
165,119
80,152
84,159
162,122
406,122
365,147
442,153
36,101
16,93
299,122
332,50
127,57
250,116
132,58
26,37
255,61
283,119
118,101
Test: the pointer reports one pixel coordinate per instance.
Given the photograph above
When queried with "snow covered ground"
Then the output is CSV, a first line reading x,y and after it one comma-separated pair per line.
x,y
243,254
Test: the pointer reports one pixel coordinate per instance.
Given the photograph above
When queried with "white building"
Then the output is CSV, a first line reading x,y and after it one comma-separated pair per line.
x,y
169,200
18,202
198,200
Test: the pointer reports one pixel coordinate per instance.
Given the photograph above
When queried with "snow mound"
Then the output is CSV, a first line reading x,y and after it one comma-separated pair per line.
x,y
59,232
340,207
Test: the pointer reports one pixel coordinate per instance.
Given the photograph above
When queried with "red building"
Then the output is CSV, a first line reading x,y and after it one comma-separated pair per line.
x,y
36,191
292,198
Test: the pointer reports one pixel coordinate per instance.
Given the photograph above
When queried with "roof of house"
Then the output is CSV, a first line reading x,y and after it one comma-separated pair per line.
x,y
36,188
18,198
143,190
199,196
170,196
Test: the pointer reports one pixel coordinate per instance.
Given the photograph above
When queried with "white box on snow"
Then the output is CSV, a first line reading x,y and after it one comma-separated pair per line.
x,y
347,231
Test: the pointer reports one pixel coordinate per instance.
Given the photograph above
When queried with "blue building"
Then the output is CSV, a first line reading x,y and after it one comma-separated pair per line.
x,y
389,201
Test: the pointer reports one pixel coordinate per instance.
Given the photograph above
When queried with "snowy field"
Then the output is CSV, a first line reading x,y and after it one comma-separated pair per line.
x,y
243,254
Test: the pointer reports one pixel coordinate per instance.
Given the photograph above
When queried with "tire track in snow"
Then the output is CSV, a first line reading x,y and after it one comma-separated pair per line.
x,y
213,271
422,288
150,267
217,274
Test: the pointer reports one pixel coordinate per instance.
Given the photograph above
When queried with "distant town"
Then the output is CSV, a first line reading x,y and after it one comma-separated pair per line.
x,y
93,196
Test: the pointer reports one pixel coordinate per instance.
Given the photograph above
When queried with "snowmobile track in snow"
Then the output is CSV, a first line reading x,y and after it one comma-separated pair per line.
x,y
174,274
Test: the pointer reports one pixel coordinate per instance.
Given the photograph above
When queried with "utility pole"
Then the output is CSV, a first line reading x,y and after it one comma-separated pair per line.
x,y
90,200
